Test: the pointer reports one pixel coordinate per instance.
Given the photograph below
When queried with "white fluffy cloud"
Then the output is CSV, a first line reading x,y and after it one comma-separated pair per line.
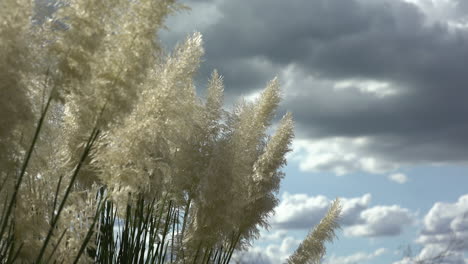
x,y
277,253
445,223
359,257
381,221
272,254
266,235
435,254
340,155
445,232
352,209
300,211
398,178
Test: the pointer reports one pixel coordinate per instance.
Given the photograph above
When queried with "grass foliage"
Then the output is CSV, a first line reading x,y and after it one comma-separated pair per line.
x,y
107,153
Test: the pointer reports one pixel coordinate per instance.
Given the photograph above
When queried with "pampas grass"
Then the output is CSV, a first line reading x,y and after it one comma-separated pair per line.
x,y
108,155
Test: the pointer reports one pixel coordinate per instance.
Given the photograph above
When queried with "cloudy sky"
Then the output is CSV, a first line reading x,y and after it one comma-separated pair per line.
x,y
378,90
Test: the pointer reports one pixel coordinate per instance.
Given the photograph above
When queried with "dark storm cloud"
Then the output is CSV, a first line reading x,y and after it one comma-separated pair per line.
x,y
337,38
393,42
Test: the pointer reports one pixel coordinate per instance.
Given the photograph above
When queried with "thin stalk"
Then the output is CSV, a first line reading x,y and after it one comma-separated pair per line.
x,y
56,196
218,253
89,234
15,256
176,215
166,229
196,254
209,256
233,247
25,165
56,246
184,223
86,151
205,255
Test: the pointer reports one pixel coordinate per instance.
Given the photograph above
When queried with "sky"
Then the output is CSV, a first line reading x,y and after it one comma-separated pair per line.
x,y
377,89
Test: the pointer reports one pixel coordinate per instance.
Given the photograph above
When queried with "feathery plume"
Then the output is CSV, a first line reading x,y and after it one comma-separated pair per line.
x,y
133,157
312,249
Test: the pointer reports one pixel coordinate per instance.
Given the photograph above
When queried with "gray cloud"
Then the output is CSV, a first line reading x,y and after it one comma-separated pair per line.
x,y
317,45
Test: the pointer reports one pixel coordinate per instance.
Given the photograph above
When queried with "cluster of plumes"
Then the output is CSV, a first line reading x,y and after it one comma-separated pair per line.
x,y
102,66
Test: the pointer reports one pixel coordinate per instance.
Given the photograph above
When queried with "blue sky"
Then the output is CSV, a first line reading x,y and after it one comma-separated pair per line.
x,y
378,92
426,185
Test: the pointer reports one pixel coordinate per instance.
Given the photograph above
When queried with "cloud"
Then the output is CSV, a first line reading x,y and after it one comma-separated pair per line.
x,y
379,89
434,251
398,178
272,254
389,71
359,257
381,221
339,155
272,236
300,211
444,233
445,10
276,253
434,254
352,209
446,223
202,15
